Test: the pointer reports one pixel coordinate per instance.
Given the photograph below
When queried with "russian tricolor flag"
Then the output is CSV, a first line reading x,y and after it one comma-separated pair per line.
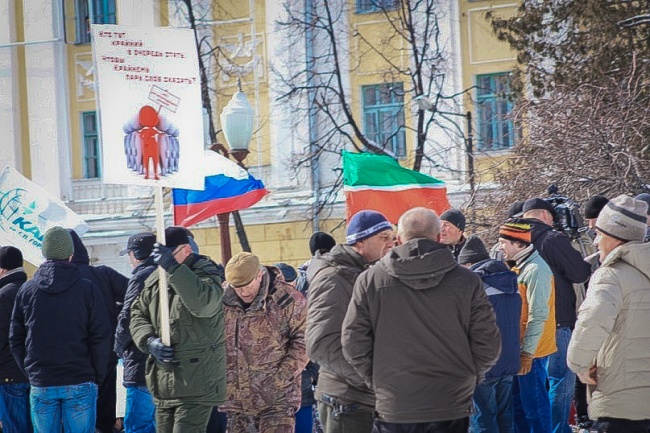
x,y
228,188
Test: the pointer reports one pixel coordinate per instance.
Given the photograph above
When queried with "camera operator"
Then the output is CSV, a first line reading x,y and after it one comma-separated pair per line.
x,y
568,268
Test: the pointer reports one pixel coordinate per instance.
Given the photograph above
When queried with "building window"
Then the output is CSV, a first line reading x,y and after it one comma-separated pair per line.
x,y
368,6
493,107
91,160
89,12
383,116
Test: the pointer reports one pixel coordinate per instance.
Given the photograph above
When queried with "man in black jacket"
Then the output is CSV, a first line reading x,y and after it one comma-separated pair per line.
x,y
140,409
14,386
568,268
60,337
112,285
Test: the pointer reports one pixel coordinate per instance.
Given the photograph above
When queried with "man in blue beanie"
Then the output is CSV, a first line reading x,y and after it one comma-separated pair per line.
x,y
345,403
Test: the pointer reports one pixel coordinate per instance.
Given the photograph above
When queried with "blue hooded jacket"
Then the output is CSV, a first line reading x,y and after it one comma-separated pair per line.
x,y
60,334
501,288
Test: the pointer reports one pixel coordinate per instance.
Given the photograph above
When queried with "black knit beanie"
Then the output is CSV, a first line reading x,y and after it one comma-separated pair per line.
x,y
10,258
594,205
473,251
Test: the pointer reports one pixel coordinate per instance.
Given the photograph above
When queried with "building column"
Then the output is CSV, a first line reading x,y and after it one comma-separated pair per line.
x,y
9,89
47,96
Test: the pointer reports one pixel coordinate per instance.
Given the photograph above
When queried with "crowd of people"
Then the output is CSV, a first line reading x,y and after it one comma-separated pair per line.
x,y
418,329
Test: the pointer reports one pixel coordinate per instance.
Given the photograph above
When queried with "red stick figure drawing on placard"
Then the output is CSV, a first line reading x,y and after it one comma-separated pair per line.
x,y
148,118
151,142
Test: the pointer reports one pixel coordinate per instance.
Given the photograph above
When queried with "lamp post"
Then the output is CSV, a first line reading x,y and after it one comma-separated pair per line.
x,y
237,120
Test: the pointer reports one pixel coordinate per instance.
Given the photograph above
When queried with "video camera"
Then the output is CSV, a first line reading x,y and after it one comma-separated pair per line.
x,y
567,217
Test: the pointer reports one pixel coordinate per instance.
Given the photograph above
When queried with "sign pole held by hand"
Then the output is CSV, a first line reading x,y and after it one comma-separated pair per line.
x,y
165,334
151,116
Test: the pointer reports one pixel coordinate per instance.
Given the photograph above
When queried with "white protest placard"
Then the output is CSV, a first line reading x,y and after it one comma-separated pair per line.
x,y
149,95
27,211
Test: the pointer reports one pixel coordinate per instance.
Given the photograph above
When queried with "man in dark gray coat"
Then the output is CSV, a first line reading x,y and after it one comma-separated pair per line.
x,y
421,332
345,402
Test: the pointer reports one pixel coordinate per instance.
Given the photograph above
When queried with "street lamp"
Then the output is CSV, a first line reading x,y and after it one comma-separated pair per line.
x,y
237,120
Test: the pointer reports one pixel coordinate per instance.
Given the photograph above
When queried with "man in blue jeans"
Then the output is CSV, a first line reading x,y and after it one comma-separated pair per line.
x,y
568,268
140,409
60,337
493,410
14,386
530,398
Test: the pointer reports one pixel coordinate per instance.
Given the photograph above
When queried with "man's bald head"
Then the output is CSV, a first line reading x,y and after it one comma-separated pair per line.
x,y
418,222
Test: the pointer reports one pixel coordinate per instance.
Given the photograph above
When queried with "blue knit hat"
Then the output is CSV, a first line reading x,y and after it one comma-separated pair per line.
x,y
364,224
288,271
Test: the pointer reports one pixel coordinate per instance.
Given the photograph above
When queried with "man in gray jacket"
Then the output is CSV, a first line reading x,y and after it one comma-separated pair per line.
x,y
610,347
421,332
345,402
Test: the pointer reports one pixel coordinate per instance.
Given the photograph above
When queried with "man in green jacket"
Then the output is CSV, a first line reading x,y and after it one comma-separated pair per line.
x,y
188,377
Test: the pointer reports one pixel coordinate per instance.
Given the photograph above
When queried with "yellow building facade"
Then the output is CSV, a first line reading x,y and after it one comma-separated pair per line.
x,y
49,110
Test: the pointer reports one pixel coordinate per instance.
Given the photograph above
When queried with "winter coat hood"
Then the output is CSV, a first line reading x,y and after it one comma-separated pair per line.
x,y
496,274
344,258
635,254
56,276
419,263
80,254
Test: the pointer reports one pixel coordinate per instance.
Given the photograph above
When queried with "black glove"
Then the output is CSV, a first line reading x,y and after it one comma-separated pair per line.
x,y
164,257
159,351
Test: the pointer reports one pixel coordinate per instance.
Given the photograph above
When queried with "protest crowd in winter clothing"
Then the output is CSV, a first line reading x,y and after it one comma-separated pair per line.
x,y
409,328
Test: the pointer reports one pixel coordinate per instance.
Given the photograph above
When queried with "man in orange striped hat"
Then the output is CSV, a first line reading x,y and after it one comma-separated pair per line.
x,y
535,278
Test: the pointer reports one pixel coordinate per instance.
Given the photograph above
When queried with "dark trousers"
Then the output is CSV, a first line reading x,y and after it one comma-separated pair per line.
x,y
460,425
218,421
619,425
580,399
106,401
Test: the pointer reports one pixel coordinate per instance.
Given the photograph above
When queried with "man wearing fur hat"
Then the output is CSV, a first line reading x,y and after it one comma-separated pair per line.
x,y
14,386
345,402
188,378
265,329
611,343
60,337
452,226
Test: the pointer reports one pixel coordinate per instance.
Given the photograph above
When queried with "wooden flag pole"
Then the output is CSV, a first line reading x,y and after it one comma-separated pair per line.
x,y
165,334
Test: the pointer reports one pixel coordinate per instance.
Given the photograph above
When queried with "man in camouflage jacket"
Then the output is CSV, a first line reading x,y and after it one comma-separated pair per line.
x,y
265,341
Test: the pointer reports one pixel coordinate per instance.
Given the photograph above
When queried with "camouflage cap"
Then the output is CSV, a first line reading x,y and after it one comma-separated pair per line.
x,y
242,268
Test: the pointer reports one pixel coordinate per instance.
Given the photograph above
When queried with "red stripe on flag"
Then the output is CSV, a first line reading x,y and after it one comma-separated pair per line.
x,y
190,214
394,203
